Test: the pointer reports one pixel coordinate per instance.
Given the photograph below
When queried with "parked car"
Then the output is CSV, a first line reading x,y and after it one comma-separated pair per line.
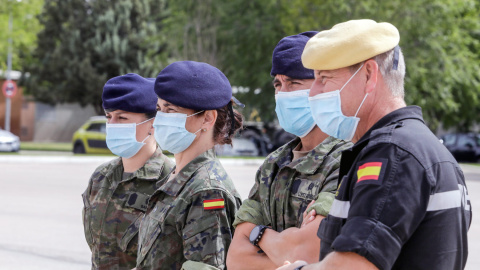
x,y
463,146
9,142
90,137
241,147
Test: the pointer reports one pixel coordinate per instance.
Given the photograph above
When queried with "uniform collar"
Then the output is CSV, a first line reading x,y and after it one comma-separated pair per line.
x,y
308,164
408,112
150,171
174,186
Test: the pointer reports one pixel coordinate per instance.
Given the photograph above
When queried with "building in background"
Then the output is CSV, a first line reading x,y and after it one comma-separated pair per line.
x,y
40,122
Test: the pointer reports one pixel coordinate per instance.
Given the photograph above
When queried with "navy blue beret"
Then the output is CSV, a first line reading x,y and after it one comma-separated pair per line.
x,y
131,93
287,56
193,85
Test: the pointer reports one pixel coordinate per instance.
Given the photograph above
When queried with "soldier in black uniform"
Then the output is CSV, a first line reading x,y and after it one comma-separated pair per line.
x,y
402,202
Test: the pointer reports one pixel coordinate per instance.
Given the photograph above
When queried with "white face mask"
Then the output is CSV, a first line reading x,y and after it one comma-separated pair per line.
x,y
122,139
327,112
170,132
293,112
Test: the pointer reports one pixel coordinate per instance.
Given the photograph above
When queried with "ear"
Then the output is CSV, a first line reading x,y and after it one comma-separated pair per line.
x,y
209,120
371,68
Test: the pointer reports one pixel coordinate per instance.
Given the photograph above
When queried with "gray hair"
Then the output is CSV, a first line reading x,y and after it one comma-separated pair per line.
x,y
394,78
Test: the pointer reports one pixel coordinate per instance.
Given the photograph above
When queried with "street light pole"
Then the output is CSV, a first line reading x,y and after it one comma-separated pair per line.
x,y
9,69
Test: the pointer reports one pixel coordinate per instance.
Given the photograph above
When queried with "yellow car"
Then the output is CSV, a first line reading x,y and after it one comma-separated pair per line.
x,y
90,138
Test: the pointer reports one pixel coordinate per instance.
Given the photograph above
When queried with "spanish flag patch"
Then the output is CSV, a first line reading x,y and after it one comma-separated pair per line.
x,y
213,204
369,171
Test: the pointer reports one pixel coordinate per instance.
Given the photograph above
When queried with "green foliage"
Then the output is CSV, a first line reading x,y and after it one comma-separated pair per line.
x,y
440,40
85,43
24,29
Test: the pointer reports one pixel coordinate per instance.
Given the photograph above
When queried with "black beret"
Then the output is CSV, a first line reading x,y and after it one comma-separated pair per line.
x,y
287,56
193,85
131,93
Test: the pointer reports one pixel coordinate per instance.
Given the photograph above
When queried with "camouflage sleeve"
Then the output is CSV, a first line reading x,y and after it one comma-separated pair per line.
x,y
251,209
207,230
325,197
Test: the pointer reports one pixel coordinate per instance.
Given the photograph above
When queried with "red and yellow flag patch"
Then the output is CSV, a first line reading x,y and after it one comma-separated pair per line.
x,y
369,171
213,204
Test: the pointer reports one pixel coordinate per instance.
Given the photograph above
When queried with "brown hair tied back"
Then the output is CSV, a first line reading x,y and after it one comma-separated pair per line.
x,y
226,126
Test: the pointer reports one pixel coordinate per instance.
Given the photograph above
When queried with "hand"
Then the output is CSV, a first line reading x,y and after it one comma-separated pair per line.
x,y
291,266
308,217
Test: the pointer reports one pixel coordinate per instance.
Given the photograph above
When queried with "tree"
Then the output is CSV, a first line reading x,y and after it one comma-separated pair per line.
x,y
85,43
440,40
24,29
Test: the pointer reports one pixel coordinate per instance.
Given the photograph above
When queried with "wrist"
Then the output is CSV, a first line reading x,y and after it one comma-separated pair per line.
x,y
256,234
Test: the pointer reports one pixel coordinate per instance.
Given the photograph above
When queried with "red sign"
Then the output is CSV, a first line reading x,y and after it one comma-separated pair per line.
x,y
9,88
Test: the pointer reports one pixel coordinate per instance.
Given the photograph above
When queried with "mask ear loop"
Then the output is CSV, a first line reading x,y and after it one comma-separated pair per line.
x,y
351,77
149,134
193,115
145,121
361,104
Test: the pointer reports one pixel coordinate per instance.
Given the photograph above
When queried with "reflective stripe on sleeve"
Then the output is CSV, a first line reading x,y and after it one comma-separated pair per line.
x,y
340,208
449,199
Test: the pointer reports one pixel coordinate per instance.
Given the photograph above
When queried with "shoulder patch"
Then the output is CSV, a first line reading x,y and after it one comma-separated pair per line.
x,y
371,171
213,204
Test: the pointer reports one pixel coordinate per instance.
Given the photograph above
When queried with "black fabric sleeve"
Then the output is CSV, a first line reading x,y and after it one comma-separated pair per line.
x,y
383,212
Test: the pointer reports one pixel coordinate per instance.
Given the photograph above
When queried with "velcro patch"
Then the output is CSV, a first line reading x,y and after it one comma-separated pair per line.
x,y
369,171
213,204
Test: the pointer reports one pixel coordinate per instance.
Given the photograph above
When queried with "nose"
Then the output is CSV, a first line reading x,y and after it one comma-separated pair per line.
x,y
317,88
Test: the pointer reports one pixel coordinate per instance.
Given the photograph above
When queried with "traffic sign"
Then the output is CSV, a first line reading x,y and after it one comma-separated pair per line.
x,y
9,88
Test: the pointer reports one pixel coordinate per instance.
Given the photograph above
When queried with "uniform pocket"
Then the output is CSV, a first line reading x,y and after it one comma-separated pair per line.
x,y
303,191
86,215
203,240
129,234
329,229
150,229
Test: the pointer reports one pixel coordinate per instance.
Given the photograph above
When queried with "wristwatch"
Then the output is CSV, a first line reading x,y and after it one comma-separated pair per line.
x,y
256,234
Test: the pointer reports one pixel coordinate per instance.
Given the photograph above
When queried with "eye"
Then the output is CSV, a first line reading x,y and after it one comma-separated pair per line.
x,y
108,116
122,118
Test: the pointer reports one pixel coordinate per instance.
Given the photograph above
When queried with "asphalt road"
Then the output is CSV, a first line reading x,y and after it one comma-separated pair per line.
x,y
40,213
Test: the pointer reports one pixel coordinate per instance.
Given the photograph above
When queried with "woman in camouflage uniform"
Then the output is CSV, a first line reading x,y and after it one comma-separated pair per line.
x,y
189,219
117,193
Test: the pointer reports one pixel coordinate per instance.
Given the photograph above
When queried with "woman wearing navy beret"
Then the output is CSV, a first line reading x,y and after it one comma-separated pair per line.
x,y
118,191
188,224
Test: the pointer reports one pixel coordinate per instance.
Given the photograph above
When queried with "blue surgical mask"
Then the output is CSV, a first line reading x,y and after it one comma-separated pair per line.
x,y
327,112
122,139
293,112
170,132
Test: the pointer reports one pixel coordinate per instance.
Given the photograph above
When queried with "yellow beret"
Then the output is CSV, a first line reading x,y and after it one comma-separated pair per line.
x,y
349,43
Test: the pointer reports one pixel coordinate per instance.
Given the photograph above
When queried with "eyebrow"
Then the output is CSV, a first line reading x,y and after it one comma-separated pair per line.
x,y
288,79
275,81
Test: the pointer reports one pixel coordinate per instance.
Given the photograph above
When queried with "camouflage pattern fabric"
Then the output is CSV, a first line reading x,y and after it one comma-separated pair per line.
x,y
113,208
283,188
189,219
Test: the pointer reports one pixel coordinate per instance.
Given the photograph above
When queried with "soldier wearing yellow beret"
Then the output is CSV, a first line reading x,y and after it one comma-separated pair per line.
x,y
402,202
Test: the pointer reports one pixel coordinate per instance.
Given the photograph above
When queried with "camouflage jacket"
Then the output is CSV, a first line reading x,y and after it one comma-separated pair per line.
x,y
189,218
113,209
283,189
